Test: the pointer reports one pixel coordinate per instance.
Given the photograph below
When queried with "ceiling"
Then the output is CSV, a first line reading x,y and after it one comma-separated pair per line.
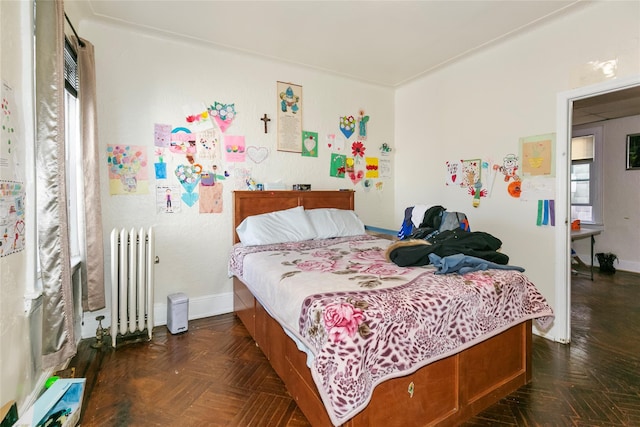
x,y
386,43
382,42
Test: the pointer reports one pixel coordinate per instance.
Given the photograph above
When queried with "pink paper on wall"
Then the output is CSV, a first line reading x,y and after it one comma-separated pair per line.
x,y
234,148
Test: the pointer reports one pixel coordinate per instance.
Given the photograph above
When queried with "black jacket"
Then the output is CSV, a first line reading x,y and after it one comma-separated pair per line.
x,y
451,242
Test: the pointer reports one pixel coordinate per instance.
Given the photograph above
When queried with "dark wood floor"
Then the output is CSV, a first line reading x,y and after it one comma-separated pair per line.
x,y
214,375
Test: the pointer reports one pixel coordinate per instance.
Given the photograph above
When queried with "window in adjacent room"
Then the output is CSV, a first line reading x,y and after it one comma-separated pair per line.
x,y
586,175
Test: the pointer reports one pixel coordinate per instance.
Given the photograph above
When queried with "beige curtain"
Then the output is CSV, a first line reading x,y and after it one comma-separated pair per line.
x,y
58,341
90,227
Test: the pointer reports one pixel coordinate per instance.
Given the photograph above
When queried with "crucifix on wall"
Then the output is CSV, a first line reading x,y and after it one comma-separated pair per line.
x,y
265,119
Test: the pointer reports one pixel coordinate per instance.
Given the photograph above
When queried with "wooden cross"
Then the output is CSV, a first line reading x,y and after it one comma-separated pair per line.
x,y
265,119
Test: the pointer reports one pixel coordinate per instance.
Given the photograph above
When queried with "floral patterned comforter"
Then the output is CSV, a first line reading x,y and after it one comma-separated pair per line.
x,y
366,320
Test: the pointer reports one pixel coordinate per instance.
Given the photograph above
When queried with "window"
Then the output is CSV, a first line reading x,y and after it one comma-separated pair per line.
x,y
586,175
72,145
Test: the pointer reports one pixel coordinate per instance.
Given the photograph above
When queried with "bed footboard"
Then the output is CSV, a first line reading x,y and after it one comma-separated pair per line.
x,y
446,392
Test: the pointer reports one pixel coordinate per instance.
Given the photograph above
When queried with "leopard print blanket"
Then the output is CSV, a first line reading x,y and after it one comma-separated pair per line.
x,y
387,321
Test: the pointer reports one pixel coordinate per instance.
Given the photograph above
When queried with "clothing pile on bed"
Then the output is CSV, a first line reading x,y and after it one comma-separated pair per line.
x,y
445,239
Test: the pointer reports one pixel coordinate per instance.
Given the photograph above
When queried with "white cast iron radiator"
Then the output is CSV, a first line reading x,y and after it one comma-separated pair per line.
x,y
133,259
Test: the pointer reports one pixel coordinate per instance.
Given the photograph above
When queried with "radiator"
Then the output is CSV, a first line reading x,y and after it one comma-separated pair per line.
x,y
132,281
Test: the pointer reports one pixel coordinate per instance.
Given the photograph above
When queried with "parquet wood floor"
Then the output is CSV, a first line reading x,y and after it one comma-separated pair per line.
x,y
214,375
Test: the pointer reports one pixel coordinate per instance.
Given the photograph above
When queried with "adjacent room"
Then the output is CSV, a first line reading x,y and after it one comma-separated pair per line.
x,y
183,146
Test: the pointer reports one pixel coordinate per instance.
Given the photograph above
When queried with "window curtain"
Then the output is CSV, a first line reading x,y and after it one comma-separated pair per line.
x,y
58,341
90,215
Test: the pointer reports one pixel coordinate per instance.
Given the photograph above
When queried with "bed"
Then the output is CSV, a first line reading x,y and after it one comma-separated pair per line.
x,y
362,382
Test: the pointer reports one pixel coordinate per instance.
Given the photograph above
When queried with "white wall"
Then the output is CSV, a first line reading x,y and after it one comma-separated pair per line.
x,y
479,108
143,80
19,371
621,234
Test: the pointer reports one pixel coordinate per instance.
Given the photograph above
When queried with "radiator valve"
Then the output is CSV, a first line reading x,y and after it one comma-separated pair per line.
x,y
100,333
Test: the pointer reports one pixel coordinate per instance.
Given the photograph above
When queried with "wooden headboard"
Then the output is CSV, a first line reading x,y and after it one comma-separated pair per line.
x,y
247,203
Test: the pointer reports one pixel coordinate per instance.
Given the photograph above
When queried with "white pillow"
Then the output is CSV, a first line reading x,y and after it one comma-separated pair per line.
x,y
331,222
290,225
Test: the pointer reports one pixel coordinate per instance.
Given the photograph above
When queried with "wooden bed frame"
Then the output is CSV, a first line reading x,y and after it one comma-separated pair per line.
x,y
445,392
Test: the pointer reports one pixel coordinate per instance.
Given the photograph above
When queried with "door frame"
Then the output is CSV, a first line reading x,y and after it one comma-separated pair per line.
x,y
564,111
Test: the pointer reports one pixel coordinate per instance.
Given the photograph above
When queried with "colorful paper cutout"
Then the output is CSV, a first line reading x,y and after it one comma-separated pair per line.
x,y
208,145
211,199
223,114
371,167
182,141
197,117
161,135
358,149
309,144
510,168
338,165
127,165
347,125
188,176
454,170
234,148
536,154
471,171
362,124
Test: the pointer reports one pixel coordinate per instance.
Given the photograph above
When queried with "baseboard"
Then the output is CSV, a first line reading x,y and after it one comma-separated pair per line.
x,y
199,307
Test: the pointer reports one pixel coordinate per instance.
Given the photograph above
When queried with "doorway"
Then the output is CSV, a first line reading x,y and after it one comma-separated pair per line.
x,y
565,108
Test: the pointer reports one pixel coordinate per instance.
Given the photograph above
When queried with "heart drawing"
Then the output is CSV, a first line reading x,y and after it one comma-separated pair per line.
x,y
356,177
257,154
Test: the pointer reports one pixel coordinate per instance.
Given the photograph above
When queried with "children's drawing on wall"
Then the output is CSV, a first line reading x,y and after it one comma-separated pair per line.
x,y
337,168
161,135
10,137
309,144
211,197
183,141
127,165
213,176
168,199
454,173
208,145
240,176
223,114
362,125
335,143
189,177
12,217
384,167
257,154
289,118
371,167
368,184
234,148
471,170
538,187
347,126
536,155
197,117
159,165
509,169
355,174
385,150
